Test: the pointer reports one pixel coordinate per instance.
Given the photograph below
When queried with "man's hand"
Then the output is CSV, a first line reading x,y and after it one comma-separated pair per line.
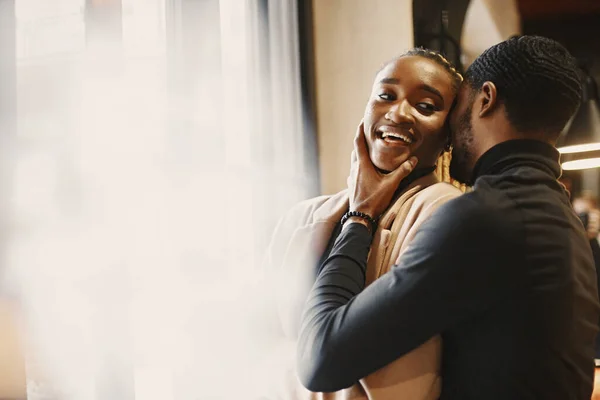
x,y
369,190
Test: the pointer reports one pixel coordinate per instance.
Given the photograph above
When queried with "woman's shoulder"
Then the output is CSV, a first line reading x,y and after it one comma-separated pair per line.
x,y
315,209
430,198
439,191
301,215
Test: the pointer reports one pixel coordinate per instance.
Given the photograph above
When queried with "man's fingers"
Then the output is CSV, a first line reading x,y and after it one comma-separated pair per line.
x,y
360,144
404,169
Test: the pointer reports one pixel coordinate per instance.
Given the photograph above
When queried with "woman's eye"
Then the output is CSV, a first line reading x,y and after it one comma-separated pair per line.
x,y
427,107
386,96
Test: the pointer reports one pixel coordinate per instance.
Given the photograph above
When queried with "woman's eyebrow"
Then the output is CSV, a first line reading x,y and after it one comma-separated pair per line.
x,y
432,90
393,81
424,86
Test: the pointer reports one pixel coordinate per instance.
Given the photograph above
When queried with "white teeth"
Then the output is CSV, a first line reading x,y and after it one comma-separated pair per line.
x,y
400,136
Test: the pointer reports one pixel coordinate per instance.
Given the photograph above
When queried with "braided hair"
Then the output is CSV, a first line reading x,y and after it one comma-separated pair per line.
x,y
438,59
536,79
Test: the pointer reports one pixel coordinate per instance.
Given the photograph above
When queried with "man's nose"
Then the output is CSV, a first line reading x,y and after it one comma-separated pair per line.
x,y
401,113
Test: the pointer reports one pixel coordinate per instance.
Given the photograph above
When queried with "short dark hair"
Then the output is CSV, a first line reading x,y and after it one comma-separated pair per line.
x,y
537,80
438,59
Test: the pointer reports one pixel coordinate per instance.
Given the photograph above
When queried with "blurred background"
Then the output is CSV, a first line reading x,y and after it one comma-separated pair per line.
x,y
148,147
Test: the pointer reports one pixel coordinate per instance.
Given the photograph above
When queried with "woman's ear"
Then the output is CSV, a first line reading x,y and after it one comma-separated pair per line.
x,y
448,146
488,99
446,135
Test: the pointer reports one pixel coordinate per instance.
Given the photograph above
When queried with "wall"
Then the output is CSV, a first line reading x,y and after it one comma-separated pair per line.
x,y
488,22
352,39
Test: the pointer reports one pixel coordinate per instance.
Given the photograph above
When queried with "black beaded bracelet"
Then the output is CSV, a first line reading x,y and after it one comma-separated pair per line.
x,y
362,215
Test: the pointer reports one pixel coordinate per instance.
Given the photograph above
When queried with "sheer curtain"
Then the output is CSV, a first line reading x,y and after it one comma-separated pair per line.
x,y
152,164
286,154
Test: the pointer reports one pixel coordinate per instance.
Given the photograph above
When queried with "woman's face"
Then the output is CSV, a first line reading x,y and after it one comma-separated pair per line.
x,y
407,111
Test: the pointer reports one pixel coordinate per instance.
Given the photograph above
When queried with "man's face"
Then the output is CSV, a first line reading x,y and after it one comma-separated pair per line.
x,y
405,115
461,128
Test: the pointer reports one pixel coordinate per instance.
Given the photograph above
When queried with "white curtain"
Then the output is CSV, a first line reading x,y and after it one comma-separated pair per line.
x,y
150,175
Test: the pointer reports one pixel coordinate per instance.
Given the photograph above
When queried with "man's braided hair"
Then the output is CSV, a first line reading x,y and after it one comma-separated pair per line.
x,y
537,80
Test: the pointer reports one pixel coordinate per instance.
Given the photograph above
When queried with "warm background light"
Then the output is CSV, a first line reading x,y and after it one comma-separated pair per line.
x,y
579,148
581,164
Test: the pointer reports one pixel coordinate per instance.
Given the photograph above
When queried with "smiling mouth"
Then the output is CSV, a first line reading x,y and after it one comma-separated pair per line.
x,y
394,137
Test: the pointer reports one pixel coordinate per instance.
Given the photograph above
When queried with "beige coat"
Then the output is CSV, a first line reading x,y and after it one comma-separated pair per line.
x,y
300,240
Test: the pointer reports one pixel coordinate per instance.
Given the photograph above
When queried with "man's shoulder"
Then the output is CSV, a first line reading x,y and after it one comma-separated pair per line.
x,y
477,211
472,227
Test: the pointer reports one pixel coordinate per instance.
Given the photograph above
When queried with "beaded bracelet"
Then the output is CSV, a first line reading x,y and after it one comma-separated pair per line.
x,y
362,215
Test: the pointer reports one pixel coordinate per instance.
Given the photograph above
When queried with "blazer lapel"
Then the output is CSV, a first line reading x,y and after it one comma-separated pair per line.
x,y
389,226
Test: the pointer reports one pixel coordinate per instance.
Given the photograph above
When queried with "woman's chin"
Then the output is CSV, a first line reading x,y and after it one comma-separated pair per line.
x,y
387,167
383,171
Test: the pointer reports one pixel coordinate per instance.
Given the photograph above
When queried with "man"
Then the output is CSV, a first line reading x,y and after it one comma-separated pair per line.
x,y
504,273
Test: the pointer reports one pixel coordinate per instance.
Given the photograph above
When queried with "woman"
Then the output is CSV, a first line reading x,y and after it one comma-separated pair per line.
x,y
405,116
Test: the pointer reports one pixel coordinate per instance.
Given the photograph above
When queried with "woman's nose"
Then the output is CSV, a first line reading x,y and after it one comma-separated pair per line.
x,y
401,113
